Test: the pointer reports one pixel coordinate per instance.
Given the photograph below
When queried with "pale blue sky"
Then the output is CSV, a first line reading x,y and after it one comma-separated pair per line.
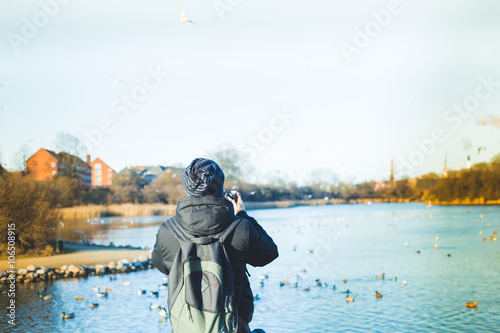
x,y
227,76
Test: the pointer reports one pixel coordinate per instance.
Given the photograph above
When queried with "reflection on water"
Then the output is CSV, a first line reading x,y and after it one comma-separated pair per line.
x,y
117,230
331,243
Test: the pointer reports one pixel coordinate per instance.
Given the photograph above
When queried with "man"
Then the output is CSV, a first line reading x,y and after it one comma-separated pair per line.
x,y
204,212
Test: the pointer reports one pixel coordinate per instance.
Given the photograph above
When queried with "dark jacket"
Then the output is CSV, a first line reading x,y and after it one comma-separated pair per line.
x,y
209,215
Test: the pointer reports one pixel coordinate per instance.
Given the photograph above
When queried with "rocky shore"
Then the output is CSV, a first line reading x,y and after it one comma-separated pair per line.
x,y
32,273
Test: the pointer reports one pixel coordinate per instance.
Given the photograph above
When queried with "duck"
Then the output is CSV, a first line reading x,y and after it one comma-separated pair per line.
x,y
344,280
78,298
293,285
154,294
153,306
126,283
485,239
162,286
102,294
95,289
435,246
378,295
334,287
418,251
471,305
256,297
404,283
162,312
495,233
381,276
318,282
264,277
67,315
480,232
325,285
141,292
45,297
305,289
106,289
94,305
349,298
261,283
395,279
282,283
493,238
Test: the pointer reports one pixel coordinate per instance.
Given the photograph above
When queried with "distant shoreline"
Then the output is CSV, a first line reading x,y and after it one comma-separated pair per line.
x,y
132,210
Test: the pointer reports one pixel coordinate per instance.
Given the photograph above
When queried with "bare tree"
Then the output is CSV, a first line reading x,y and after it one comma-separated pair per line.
x,y
21,156
231,162
71,148
324,180
70,144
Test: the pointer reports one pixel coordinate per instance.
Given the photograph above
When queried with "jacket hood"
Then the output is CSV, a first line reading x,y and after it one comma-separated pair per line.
x,y
204,216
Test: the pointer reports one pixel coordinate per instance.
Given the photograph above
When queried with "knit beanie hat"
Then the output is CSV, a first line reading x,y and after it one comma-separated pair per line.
x,y
203,177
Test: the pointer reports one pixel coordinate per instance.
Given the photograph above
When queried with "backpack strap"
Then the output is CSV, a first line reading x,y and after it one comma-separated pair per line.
x,y
176,230
223,235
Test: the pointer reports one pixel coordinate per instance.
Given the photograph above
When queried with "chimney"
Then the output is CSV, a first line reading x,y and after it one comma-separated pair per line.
x,y
88,159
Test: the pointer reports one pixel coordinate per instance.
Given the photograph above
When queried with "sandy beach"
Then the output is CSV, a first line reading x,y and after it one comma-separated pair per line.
x,y
83,255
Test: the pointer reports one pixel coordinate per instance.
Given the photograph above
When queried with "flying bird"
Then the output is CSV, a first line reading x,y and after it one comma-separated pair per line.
x,y
118,79
480,148
184,19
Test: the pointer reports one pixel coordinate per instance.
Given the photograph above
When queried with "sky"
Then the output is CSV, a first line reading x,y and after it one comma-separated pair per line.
x,y
297,86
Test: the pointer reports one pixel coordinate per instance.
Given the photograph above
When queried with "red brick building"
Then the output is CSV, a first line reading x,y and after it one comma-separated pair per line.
x,y
43,165
47,165
102,174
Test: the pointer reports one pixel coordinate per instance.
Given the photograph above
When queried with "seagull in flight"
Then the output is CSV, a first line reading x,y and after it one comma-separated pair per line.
x,y
184,19
118,79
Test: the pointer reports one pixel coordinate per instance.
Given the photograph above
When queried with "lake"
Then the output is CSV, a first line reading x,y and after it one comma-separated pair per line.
x,y
422,292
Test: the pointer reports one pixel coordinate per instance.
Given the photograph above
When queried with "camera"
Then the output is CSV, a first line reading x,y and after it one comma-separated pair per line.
x,y
230,196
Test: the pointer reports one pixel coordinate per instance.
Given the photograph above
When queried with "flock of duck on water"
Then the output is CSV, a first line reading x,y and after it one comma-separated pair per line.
x,y
162,312
319,283
349,298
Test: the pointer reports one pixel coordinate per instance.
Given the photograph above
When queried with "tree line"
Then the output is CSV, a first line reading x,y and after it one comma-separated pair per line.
x,y
32,205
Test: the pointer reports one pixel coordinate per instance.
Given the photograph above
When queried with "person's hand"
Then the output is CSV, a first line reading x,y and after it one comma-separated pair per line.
x,y
237,202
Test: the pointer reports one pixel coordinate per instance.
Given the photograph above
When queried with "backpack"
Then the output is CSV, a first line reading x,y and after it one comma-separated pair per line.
x,y
201,290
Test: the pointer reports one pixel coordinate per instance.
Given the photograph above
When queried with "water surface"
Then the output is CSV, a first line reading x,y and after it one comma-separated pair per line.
x,y
330,243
